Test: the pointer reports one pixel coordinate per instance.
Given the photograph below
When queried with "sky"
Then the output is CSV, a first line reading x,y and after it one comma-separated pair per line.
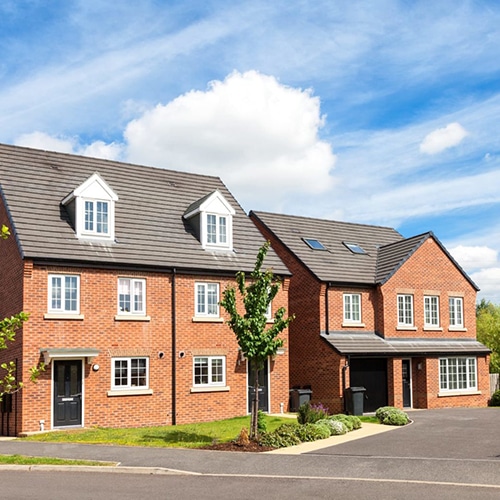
x,y
379,112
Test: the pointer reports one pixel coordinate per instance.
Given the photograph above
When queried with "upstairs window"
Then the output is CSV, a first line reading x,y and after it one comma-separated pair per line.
x,y
211,218
352,308
131,296
431,311
216,229
456,312
64,294
405,310
91,208
97,217
207,300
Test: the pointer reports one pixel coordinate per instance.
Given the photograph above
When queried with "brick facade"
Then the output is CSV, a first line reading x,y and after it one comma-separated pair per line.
x,y
25,287
319,307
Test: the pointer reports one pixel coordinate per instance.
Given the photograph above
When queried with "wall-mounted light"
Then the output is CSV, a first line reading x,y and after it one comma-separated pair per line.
x,y
95,367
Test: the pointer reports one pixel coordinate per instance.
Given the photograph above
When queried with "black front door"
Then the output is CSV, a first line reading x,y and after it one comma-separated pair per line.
x,y
67,393
406,383
263,388
370,373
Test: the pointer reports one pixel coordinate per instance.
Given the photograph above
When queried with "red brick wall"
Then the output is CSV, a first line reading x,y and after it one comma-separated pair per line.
x,y
99,330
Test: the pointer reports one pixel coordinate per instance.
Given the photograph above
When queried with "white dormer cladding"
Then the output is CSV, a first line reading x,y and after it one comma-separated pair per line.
x,y
91,207
212,219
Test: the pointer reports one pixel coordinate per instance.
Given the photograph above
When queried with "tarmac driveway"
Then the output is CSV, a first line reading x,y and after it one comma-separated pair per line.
x,y
451,433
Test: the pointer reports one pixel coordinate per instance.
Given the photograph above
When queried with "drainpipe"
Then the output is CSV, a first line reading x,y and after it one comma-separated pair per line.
x,y
174,350
344,369
327,310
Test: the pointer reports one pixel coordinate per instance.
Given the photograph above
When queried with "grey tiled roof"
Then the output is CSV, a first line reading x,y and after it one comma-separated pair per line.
x,y
150,230
337,263
371,344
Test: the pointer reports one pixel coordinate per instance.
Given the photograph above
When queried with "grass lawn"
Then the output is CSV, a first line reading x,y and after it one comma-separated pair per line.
x,y
177,436
24,460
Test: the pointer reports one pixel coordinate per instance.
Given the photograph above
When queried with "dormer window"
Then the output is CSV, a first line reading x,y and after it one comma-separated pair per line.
x,y
211,217
91,207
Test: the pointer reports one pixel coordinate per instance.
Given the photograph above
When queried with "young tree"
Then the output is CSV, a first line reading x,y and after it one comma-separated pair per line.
x,y
488,331
8,327
256,339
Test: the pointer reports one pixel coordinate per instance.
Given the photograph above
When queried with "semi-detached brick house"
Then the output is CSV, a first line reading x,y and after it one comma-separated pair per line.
x,y
375,310
121,268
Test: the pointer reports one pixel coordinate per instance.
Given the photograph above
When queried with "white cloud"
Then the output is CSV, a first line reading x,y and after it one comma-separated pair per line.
x,y
259,136
443,138
488,281
97,149
474,257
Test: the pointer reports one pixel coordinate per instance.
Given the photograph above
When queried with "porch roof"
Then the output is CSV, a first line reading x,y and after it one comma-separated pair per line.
x,y
372,344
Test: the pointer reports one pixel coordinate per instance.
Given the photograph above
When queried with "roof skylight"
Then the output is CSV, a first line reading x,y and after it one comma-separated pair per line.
x,y
354,248
314,244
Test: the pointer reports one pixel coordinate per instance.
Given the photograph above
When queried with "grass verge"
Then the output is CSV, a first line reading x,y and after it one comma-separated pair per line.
x,y
176,436
24,460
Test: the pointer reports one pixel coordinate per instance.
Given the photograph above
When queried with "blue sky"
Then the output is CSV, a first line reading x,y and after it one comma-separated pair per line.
x,y
382,112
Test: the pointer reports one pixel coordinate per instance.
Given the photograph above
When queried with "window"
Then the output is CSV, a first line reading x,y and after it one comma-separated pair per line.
x,y
457,374
209,370
354,248
131,296
352,307
207,299
314,244
97,217
456,312
64,293
405,310
216,229
431,311
130,373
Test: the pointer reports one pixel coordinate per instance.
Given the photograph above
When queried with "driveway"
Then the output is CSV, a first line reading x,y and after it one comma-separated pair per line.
x,y
450,433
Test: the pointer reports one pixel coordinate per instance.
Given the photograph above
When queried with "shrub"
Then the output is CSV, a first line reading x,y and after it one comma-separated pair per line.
x,y
389,415
313,432
261,422
285,435
345,419
495,399
309,414
335,427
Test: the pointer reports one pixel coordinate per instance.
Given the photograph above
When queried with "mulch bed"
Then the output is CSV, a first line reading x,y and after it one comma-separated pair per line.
x,y
251,447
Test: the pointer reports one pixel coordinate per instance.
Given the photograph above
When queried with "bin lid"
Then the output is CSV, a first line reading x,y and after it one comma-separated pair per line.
x,y
357,389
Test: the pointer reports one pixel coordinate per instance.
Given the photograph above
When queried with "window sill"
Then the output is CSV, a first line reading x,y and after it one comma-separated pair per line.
x,y
407,328
433,328
76,317
131,392
211,388
446,394
132,317
457,329
349,324
207,319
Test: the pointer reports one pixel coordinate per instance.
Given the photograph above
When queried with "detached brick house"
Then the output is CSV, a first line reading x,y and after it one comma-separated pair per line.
x,y
376,310
121,268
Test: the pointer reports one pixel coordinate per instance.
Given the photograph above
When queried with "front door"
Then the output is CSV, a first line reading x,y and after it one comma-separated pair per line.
x,y
406,369
67,393
263,388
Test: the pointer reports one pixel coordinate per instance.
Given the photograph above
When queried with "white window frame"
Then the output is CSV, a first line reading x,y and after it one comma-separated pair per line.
x,y
352,307
456,305
63,300
128,362
457,374
132,282
405,319
94,220
218,236
215,368
431,311
203,309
